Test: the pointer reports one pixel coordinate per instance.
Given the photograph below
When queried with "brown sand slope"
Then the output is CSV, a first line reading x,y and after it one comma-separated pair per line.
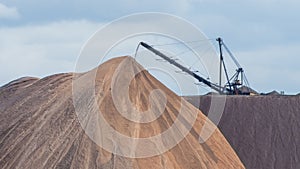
x,y
40,129
263,130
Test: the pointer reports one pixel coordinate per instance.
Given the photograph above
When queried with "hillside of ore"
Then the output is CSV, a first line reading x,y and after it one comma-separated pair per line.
x,y
40,128
262,129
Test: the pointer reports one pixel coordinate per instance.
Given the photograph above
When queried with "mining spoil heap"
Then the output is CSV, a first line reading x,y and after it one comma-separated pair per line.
x,y
263,130
39,127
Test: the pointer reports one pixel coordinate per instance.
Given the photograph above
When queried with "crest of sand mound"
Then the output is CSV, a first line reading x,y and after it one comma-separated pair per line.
x,y
43,124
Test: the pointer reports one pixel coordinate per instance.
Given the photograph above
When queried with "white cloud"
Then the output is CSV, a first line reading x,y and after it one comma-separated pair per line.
x,y
8,12
40,50
53,47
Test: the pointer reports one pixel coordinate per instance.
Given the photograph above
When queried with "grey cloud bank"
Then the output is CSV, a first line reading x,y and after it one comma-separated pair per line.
x,y
39,38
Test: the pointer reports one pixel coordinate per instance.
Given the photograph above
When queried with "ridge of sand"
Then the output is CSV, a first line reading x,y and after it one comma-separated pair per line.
x,y
40,129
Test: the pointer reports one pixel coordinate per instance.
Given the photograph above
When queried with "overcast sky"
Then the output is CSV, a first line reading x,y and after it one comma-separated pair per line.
x,y
40,38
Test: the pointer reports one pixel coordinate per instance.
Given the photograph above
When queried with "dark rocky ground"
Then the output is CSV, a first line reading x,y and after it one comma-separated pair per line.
x,y
263,130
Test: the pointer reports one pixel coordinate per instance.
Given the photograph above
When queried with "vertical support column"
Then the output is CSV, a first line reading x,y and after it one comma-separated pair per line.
x,y
221,62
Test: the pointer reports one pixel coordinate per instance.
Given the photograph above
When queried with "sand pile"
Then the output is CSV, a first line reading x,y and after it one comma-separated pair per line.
x,y
42,123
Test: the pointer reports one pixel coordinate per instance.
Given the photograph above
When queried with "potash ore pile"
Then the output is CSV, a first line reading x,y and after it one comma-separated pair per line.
x,y
46,125
263,130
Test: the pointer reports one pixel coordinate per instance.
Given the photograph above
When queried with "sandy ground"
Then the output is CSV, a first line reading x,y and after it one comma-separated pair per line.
x,y
40,129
